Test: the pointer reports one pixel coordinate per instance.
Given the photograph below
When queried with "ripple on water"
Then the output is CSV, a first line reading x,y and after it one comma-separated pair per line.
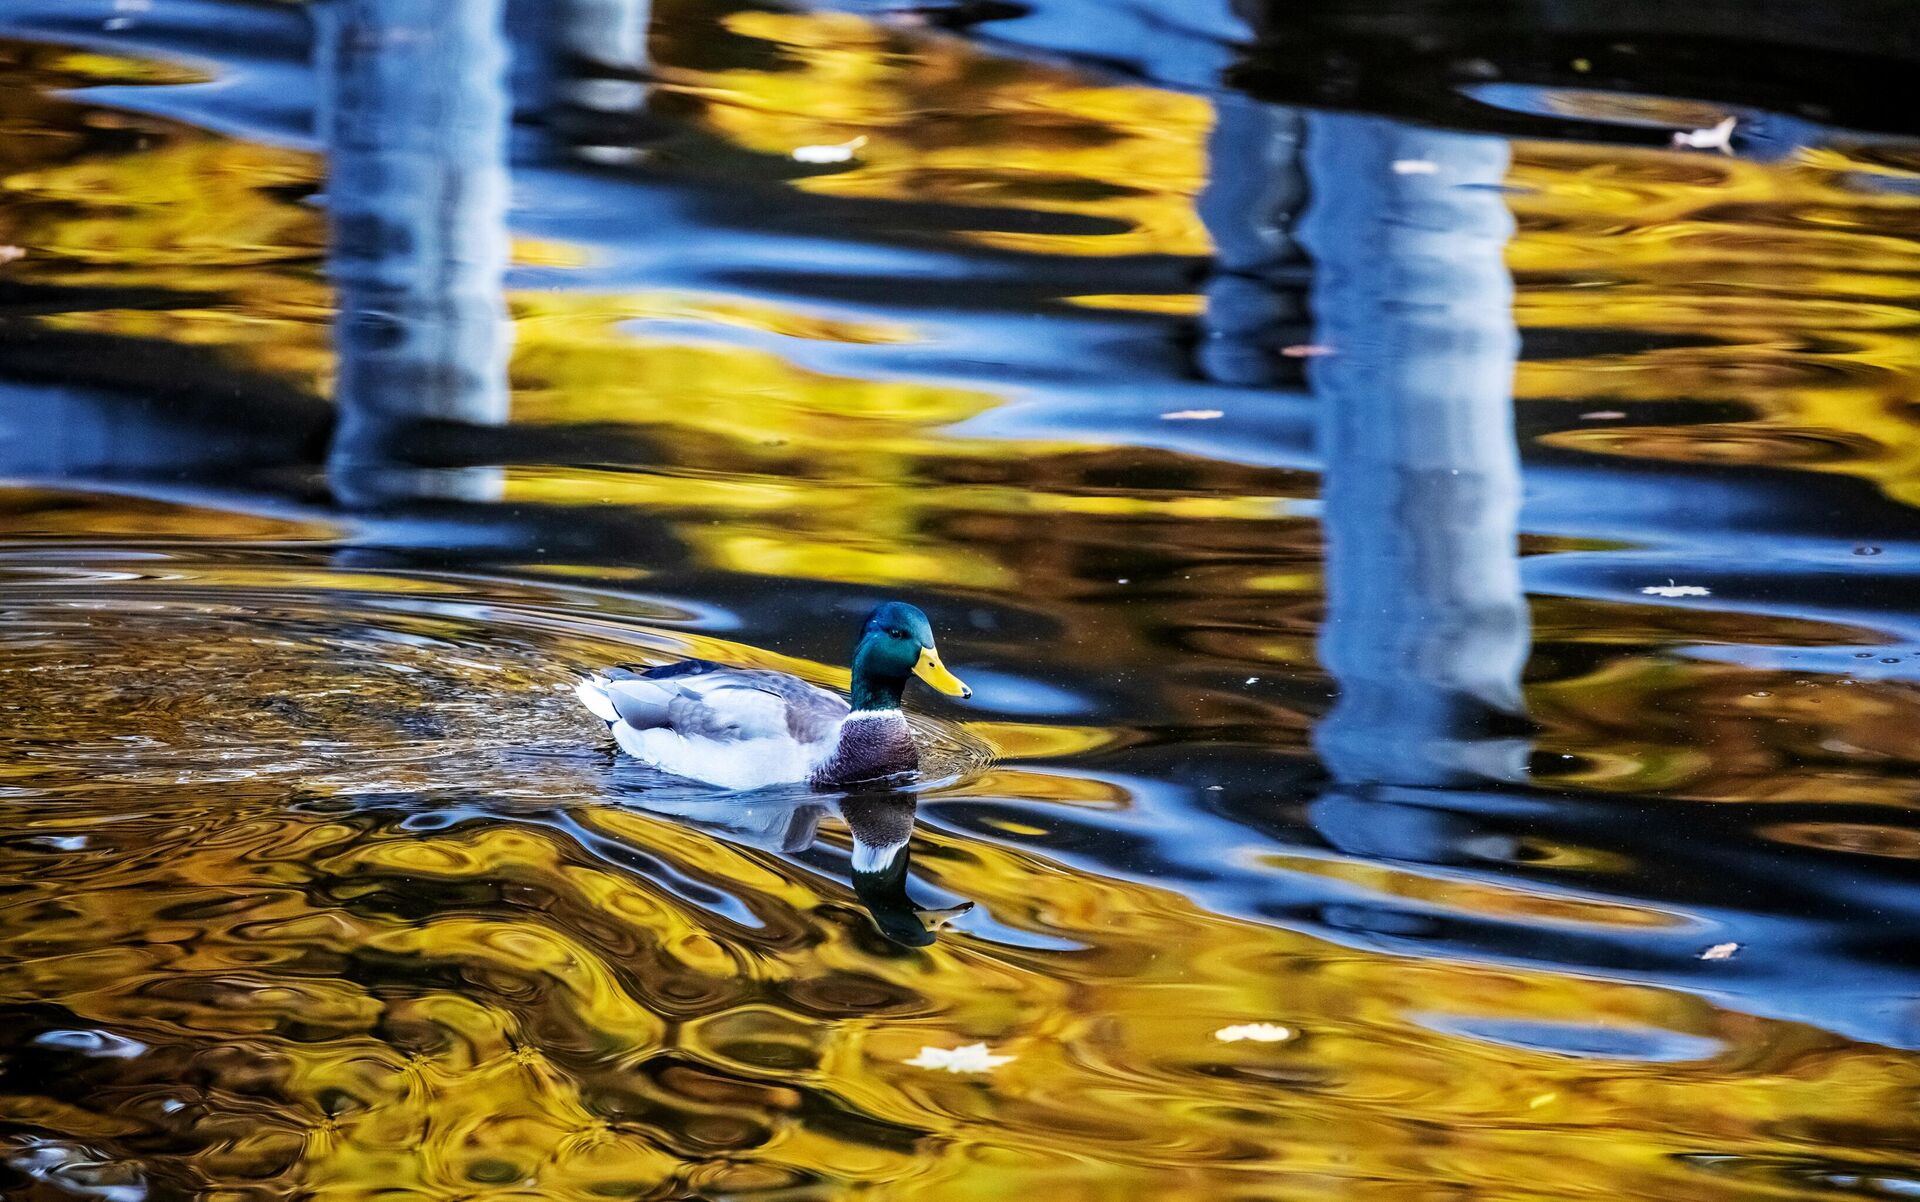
x,y
1815,1176
1591,1041
315,865
350,683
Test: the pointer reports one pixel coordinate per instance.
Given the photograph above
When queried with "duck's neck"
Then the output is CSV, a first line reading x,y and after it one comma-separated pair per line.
x,y
875,692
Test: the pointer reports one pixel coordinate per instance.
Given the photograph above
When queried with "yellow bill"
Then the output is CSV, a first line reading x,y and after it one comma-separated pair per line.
x,y
930,669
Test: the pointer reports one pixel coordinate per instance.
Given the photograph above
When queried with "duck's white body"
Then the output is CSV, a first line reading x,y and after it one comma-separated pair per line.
x,y
745,764
741,728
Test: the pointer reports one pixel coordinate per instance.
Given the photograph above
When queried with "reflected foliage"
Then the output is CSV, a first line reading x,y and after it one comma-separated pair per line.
x,y
316,884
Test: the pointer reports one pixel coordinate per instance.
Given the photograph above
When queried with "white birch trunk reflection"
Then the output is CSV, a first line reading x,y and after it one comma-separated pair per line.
x,y
609,32
1426,630
415,129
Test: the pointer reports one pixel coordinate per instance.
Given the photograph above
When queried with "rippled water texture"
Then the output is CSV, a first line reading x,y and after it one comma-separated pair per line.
x,y
1439,596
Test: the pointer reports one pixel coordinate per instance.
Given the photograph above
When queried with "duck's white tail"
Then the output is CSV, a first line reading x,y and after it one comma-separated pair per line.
x,y
592,693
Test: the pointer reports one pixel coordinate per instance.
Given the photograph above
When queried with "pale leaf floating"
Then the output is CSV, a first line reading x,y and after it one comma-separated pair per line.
x,y
973,1058
1256,1032
1720,951
1716,137
835,152
1670,589
1192,415
1305,350
1415,167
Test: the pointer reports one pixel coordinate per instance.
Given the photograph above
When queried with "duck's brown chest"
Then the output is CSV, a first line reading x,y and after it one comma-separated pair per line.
x,y
871,746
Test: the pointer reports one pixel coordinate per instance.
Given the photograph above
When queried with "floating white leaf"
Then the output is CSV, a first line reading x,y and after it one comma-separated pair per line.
x,y
834,152
1717,137
1720,951
1256,1032
1415,167
1192,415
1676,590
973,1058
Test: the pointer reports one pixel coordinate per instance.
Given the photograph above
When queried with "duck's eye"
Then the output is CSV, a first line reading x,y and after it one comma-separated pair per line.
x,y
898,634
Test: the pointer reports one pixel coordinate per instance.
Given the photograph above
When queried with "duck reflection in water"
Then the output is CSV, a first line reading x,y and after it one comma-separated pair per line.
x,y
880,820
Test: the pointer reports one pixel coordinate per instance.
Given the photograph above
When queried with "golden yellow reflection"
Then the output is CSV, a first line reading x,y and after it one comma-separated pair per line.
x,y
71,514
1474,897
600,1032
572,362
196,229
1171,304
936,120
1787,287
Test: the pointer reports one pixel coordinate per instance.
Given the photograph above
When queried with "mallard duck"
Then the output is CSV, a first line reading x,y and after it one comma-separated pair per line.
x,y
746,728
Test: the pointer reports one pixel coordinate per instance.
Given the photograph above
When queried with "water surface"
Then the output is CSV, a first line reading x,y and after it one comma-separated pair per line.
x,y
1438,594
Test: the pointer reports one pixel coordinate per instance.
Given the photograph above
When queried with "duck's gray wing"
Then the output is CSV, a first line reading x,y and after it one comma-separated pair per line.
x,y
813,714
727,704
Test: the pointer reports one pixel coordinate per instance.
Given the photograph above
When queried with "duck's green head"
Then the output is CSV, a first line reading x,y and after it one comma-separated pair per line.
x,y
895,643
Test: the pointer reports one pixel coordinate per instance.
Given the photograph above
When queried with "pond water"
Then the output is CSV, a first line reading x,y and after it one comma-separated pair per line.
x,y
1436,571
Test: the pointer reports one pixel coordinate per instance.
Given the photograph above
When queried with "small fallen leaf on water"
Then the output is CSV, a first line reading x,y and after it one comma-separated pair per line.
x,y
1718,137
1257,1032
835,152
9,253
1306,350
1415,167
1603,415
1671,589
1192,415
973,1058
1720,951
